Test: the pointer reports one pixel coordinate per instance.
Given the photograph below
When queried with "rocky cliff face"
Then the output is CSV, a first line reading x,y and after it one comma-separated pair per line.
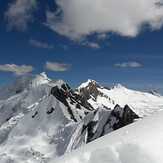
x,y
102,121
90,89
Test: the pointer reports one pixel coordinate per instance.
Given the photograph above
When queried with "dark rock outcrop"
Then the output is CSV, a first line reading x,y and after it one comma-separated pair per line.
x,y
102,122
68,97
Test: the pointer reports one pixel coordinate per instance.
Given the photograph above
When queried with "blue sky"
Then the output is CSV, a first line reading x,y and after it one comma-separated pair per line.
x,y
108,57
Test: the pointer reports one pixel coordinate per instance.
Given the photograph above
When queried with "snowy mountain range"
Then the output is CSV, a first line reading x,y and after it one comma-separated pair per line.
x,y
41,118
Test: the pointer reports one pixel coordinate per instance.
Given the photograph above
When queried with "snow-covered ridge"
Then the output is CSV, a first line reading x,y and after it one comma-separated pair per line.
x,y
141,142
143,103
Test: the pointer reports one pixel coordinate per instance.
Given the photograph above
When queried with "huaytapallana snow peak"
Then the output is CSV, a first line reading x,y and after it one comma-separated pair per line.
x,y
41,118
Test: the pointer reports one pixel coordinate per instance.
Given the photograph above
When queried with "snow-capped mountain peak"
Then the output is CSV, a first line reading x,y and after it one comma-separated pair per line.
x,y
40,79
44,75
88,83
143,103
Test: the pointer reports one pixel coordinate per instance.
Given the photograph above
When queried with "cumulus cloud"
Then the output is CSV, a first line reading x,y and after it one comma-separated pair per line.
x,y
40,44
102,36
16,69
58,67
79,18
128,65
19,14
92,45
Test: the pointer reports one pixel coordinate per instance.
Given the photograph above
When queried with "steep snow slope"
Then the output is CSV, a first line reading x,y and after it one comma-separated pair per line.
x,y
141,142
37,123
38,135
142,103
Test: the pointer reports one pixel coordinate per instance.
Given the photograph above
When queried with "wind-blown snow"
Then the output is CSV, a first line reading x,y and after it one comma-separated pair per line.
x,y
141,142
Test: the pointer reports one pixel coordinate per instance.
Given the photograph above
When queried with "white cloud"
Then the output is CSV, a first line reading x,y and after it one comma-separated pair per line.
x,y
40,44
16,69
80,18
58,67
92,45
19,13
128,65
102,36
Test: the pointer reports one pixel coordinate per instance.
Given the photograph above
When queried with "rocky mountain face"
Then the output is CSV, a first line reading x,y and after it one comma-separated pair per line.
x,y
91,90
142,103
101,121
41,118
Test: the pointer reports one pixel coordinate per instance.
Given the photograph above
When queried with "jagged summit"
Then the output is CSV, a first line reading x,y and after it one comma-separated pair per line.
x,y
42,78
143,103
92,83
88,83
43,74
89,89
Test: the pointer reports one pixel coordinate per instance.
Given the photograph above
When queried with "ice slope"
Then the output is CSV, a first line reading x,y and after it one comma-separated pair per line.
x,y
142,103
141,142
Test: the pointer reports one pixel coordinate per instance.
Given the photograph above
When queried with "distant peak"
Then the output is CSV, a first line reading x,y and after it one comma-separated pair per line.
x,y
119,86
40,79
44,75
90,81
87,83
